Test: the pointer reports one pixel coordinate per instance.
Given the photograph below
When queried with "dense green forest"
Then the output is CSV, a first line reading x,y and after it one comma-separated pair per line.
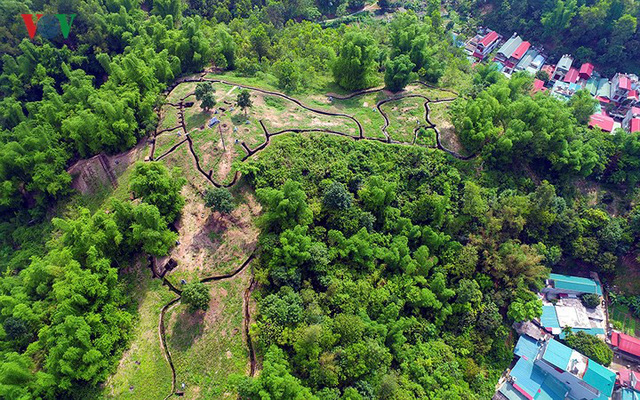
x,y
603,32
387,271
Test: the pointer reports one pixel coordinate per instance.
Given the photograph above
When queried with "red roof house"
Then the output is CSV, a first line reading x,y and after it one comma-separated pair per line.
x,y
548,69
586,70
521,50
627,378
624,82
489,38
538,86
635,125
572,76
626,343
633,94
603,122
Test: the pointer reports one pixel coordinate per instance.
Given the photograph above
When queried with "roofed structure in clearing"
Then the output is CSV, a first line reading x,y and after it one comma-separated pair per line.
x,y
575,283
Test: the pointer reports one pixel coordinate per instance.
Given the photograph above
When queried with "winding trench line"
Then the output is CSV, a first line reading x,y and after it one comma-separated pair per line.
x,y
246,317
250,152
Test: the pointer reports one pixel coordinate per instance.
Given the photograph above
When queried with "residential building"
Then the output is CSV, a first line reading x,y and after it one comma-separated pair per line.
x,y
627,378
526,61
538,86
592,86
626,394
631,122
626,346
620,88
506,51
563,286
563,67
571,76
604,91
517,55
602,121
573,314
585,71
548,69
547,369
486,45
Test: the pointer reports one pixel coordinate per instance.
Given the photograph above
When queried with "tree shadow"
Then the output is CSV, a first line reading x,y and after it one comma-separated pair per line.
x,y
186,329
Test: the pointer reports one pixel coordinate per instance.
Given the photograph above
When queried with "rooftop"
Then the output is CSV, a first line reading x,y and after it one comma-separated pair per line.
x,y
601,121
585,285
586,69
629,394
600,378
626,343
538,85
624,82
521,50
565,62
510,46
635,125
604,88
572,76
489,38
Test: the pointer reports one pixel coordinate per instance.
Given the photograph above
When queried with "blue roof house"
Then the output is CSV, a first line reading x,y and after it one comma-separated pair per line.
x,y
571,285
549,370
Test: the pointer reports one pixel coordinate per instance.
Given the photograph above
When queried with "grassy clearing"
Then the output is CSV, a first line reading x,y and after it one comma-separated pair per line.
x,y
166,141
432,94
195,117
182,159
440,116
404,116
208,347
288,115
622,315
143,372
363,109
169,117
181,91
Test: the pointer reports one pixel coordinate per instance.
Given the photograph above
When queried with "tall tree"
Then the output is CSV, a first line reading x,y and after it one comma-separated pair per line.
x,y
244,100
152,182
353,69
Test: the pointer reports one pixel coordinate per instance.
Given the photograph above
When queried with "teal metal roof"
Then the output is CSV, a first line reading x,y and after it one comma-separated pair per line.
x,y
533,382
590,331
557,354
527,348
549,317
584,285
527,377
552,389
629,394
510,392
600,378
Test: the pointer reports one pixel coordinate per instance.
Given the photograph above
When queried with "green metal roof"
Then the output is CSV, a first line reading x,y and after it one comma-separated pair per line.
x,y
592,86
604,88
575,283
600,378
557,354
